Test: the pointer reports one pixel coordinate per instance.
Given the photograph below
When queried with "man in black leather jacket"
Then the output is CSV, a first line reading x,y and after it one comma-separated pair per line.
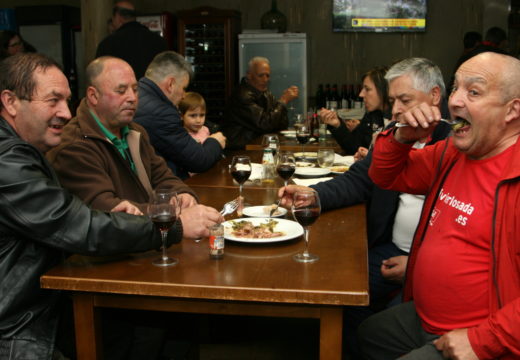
x,y
40,223
252,110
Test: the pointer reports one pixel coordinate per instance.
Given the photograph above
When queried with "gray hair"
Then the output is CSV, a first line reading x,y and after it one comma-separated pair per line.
x,y
424,73
166,64
256,59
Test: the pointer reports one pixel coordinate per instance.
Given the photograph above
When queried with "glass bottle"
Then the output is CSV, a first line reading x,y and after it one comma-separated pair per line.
x,y
274,19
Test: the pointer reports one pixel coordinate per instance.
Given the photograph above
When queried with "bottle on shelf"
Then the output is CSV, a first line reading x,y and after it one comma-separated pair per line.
x,y
345,103
334,98
358,104
327,95
320,97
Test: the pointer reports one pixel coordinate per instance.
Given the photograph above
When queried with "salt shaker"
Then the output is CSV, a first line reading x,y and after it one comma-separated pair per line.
x,y
216,241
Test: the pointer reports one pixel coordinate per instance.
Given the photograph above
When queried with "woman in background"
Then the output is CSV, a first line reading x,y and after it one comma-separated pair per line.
x,y
11,43
353,133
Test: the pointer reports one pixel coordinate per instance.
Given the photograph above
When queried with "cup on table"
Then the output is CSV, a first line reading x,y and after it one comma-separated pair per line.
x,y
325,158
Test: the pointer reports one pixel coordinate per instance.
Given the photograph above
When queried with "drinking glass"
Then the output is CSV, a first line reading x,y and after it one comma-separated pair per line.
x,y
303,134
271,141
306,209
286,166
163,210
240,170
325,158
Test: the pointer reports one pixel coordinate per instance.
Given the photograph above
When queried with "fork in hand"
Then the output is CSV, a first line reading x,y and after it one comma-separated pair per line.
x,y
229,207
451,122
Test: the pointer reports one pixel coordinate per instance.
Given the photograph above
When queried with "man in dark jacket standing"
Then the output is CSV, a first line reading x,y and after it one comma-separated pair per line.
x,y
160,92
36,213
131,41
252,110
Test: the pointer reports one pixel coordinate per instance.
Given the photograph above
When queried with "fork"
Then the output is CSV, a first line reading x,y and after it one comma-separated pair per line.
x,y
229,207
274,208
448,121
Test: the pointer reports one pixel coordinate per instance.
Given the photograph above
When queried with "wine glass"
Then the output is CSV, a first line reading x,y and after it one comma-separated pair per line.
x,y
286,166
306,209
271,141
162,210
240,170
325,158
303,134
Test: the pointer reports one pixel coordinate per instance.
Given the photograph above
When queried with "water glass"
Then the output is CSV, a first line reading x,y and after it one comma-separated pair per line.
x,y
325,158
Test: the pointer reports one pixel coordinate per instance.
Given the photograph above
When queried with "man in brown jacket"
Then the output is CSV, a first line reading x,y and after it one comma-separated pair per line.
x,y
106,159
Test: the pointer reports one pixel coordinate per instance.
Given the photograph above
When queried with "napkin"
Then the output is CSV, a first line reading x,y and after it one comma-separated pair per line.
x,y
309,182
347,160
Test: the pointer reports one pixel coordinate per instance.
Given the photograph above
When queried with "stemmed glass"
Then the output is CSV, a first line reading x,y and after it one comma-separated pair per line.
x,y
271,141
306,209
303,134
286,166
240,170
163,210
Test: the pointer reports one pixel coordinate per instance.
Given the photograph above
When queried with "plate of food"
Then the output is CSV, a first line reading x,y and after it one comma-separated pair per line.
x,y
263,211
261,230
338,169
306,155
288,133
311,172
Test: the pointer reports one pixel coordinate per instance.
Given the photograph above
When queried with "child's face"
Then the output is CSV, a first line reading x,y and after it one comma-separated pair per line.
x,y
194,119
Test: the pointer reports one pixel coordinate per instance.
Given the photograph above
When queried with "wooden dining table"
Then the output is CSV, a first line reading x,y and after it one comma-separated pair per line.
x,y
258,279
291,144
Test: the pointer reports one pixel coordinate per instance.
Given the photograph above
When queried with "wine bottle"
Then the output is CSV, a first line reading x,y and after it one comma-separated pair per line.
x,y
359,100
320,97
327,96
344,97
333,102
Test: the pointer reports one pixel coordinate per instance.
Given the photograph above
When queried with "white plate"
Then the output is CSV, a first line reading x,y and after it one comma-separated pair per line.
x,y
336,169
291,230
307,155
311,171
288,133
263,211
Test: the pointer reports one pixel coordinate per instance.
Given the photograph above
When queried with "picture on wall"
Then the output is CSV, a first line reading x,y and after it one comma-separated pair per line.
x,y
379,15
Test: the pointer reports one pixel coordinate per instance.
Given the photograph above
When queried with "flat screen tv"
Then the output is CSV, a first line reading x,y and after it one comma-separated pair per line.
x,y
379,15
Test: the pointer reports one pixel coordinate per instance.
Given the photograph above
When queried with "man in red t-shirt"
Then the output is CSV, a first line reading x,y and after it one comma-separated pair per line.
x,y
463,278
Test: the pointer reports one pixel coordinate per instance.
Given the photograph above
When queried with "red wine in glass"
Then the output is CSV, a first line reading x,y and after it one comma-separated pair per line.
x,y
163,222
240,176
303,138
306,217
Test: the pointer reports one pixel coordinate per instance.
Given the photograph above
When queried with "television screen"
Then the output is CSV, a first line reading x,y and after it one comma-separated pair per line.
x,y
379,15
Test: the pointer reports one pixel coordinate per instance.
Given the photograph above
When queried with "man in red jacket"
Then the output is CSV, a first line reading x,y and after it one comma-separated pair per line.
x,y
463,279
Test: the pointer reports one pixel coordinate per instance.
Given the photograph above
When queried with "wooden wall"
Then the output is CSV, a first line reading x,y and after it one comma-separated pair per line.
x,y
333,57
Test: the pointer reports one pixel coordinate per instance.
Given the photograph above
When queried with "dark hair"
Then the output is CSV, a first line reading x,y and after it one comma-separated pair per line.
x,y
17,73
125,13
377,75
472,39
496,35
5,38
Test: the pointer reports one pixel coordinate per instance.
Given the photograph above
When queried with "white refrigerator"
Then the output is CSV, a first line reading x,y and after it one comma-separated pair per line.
x,y
287,54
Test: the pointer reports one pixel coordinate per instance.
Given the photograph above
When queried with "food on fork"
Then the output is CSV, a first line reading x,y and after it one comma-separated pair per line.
x,y
246,229
267,209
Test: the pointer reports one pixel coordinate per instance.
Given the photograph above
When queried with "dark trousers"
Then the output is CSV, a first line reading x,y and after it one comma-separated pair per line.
x,y
382,292
397,333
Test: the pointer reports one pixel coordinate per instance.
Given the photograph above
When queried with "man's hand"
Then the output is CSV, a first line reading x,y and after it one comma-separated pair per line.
x,y
394,268
421,120
186,200
455,345
220,138
329,117
361,153
197,219
287,192
289,94
127,207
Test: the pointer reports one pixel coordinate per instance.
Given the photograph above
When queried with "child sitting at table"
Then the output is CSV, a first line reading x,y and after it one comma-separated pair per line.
x,y
193,115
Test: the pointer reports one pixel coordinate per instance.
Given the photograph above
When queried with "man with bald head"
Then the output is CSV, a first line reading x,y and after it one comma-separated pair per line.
x,y
462,287
107,160
252,110
130,40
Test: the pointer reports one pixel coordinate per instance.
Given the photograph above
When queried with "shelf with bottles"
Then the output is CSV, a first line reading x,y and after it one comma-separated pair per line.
x,y
330,97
